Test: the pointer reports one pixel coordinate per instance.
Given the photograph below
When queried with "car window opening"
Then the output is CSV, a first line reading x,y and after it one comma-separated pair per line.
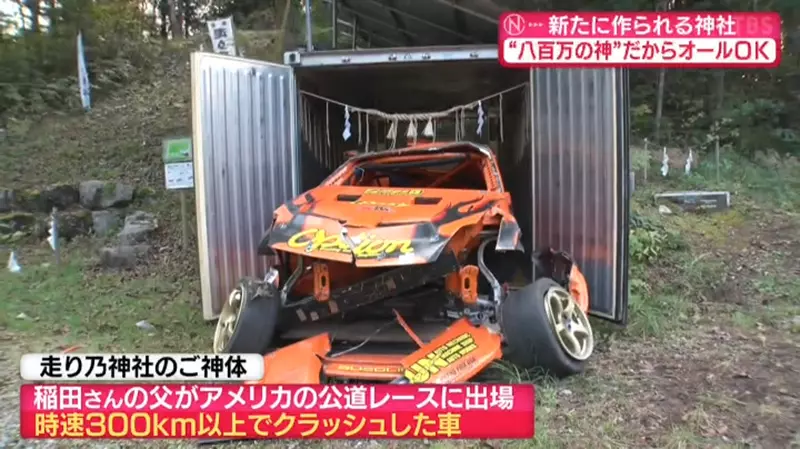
x,y
441,171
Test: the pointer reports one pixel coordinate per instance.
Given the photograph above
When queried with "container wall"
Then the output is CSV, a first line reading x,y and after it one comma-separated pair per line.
x,y
580,166
244,165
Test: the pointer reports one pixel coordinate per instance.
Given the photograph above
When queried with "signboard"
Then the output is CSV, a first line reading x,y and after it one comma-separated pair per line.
x,y
178,165
222,38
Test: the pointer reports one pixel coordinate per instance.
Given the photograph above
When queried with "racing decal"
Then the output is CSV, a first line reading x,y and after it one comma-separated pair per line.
x,y
369,369
380,204
440,358
394,192
367,246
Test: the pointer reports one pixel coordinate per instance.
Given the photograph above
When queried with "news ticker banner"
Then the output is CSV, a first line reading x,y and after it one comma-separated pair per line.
x,y
213,411
640,39
142,367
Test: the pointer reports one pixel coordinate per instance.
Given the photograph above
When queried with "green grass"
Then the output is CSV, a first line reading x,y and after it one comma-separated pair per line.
x,y
670,302
101,310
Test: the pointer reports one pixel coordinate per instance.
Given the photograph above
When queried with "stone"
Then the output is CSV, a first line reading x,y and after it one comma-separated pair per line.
x,y
96,195
138,227
699,201
72,224
12,222
105,222
61,196
29,200
125,256
6,200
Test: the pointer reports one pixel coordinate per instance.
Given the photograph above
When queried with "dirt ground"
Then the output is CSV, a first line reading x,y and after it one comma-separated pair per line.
x,y
710,358
714,362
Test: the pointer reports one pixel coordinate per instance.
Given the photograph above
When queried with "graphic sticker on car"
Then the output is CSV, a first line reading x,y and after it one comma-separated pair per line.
x,y
367,246
441,358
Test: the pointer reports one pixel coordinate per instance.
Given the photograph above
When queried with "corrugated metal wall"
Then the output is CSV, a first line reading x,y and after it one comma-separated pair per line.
x,y
245,164
579,134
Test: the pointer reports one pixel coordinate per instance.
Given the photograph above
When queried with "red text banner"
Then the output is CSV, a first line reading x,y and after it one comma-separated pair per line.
x,y
276,411
638,39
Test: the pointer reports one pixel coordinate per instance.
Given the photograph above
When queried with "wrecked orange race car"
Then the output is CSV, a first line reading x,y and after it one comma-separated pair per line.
x,y
406,266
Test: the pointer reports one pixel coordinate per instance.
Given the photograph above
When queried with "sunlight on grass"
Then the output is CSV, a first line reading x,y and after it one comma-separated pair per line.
x,y
101,310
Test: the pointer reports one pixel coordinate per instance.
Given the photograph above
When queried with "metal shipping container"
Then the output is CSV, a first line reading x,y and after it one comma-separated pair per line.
x,y
262,135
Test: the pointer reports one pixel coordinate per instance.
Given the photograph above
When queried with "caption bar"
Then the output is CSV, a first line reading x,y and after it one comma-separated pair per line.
x,y
142,367
276,411
635,39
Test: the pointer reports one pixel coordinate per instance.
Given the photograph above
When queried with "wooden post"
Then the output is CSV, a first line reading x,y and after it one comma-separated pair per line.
x,y
716,153
184,221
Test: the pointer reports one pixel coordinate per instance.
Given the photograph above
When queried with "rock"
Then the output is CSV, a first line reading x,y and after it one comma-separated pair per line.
x,y
97,195
62,196
74,223
6,200
138,227
16,237
125,256
664,210
696,201
29,200
105,222
145,325
12,222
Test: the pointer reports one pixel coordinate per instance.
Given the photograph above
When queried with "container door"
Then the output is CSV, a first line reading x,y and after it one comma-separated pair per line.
x,y
579,123
244,128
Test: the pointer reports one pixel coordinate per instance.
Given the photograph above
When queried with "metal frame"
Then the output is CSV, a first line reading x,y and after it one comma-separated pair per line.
x,y
489,16
389,56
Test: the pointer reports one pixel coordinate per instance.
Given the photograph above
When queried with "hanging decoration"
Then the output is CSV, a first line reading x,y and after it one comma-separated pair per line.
x,y
346,133
463,122
366,134
480,118
411,133
665,164
328,124
428,131
457,113
359,128
689,160
392,133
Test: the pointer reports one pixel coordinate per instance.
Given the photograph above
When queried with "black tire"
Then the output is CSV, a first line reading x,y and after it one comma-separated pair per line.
x,y
530,341
258,319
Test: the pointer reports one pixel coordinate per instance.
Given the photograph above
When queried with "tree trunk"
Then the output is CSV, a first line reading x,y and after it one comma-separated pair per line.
x,y
21,16
35,10
659,104
174,19
52,15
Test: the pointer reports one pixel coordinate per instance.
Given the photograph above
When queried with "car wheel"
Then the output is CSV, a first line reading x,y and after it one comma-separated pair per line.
x,y
248,319
545,327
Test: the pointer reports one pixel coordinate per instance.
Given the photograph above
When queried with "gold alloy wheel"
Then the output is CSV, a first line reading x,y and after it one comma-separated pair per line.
x,y
228,318
569,323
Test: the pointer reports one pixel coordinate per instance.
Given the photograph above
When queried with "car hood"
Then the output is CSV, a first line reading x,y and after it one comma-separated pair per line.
x,y
373,226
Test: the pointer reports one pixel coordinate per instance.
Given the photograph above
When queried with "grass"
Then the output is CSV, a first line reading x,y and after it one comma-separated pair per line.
x,y
637,392
716,297
101,311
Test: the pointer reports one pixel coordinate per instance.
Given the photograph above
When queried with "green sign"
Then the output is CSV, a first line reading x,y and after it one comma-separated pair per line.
x,y
177,150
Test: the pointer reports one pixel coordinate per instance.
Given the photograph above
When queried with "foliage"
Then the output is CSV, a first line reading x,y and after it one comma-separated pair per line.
x,y
649,240
750,110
